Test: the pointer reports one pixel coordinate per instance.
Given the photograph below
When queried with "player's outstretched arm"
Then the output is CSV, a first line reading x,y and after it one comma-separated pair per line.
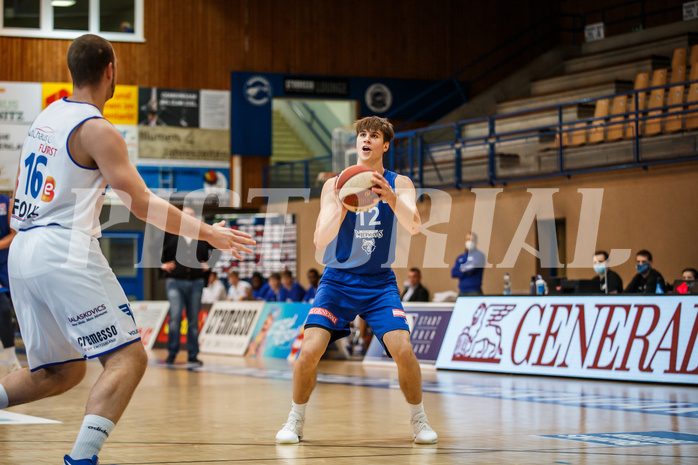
x,y
331,215
403,200
99,140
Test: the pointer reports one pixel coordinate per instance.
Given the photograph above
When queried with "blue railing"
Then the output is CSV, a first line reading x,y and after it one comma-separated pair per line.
x,y
477,152
295,174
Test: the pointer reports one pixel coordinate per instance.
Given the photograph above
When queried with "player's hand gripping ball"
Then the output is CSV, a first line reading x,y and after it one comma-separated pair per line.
x,y
353,189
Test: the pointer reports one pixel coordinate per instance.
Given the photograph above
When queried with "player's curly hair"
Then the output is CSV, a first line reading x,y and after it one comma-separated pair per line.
x,y
376,123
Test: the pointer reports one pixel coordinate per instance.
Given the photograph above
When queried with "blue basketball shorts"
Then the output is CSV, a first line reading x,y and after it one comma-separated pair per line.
x,y
342,295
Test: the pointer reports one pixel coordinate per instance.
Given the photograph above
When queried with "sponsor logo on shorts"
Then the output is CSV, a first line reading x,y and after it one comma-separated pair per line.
x,y
88,315
326,313
400,313
99,338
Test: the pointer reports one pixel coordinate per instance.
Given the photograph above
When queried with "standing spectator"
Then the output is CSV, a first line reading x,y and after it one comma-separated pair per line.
x,y
184,263
314,280
290,291
647,280
606,280
415,292
7,329
238,289
689,274
469,268
259,287
215,290
273,288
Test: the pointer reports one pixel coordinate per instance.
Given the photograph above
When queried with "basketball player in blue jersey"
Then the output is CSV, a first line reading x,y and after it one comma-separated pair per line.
x,y
69,305
358,280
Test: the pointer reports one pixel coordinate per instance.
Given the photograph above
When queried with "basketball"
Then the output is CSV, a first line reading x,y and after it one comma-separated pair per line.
x,y
354,189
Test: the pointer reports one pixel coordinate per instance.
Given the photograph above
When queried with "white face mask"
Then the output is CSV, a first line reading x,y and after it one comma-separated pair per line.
x,y
469,245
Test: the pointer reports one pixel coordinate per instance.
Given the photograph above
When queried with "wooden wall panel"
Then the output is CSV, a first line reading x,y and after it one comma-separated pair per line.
x,y
196,44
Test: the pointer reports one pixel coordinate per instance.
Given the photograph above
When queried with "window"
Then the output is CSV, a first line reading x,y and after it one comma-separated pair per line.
x,y
115,20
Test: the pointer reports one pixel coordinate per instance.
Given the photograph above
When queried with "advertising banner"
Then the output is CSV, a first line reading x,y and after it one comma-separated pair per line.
x,y
428,323
201,145
20,102
168,107
161,341
149,316
11,140
122,108
52,91
625,337
278,330
229,327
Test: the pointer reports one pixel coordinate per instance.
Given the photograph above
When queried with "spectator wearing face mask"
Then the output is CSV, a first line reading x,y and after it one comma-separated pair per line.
x,y
647,280
468,268
607,280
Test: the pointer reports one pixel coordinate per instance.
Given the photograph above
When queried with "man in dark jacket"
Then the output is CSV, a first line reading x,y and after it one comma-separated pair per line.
x,y
184,264
606,280
647,280
414,291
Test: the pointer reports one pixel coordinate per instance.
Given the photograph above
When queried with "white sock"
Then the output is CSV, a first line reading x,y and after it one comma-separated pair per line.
x,y
4,401
11,355
416,409
299,409
93,432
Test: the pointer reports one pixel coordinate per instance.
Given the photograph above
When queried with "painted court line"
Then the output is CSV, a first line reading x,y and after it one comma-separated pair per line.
x,y
571,399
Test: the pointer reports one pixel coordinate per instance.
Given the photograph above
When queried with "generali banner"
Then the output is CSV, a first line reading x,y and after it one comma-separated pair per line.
x,y
632,338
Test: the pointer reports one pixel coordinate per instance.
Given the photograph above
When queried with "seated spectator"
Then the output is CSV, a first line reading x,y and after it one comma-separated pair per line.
x,y
314,280
214,291
689,274
273,288
259,287
606,279
647,280
238,288
415,292
290,291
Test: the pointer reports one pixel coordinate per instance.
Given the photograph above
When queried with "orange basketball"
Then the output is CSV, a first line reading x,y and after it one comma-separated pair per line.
x,y
354,189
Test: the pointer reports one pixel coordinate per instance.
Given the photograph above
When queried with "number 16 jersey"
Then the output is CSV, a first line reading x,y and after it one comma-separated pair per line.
x,y
52,188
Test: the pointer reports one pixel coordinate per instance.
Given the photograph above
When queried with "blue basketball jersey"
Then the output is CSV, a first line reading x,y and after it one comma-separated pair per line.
x,y
366,241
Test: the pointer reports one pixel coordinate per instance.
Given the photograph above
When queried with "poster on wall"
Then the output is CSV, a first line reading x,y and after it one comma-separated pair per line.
x,y
168,107
624,337
11,140
130,135
229,327
149,316
214,110
20,102
428,323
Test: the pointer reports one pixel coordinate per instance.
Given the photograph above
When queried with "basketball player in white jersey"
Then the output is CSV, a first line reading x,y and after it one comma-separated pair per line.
x,y
69,304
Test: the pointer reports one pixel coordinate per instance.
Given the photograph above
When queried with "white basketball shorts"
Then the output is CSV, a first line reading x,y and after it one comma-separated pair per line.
x,y
68,302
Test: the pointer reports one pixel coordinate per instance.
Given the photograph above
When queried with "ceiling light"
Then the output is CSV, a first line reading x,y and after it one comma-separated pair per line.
x,y
60,3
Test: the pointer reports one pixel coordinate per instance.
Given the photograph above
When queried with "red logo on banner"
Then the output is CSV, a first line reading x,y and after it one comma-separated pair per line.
x,y
481,341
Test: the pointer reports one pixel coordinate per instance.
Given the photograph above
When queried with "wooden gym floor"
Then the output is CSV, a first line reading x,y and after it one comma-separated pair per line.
x,y
229,410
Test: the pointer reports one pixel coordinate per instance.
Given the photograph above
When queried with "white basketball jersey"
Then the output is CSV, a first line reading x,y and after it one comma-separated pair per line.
x,y
52,189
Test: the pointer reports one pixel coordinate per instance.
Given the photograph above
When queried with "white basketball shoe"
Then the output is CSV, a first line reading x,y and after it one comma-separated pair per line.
x,y
422,432
292,432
